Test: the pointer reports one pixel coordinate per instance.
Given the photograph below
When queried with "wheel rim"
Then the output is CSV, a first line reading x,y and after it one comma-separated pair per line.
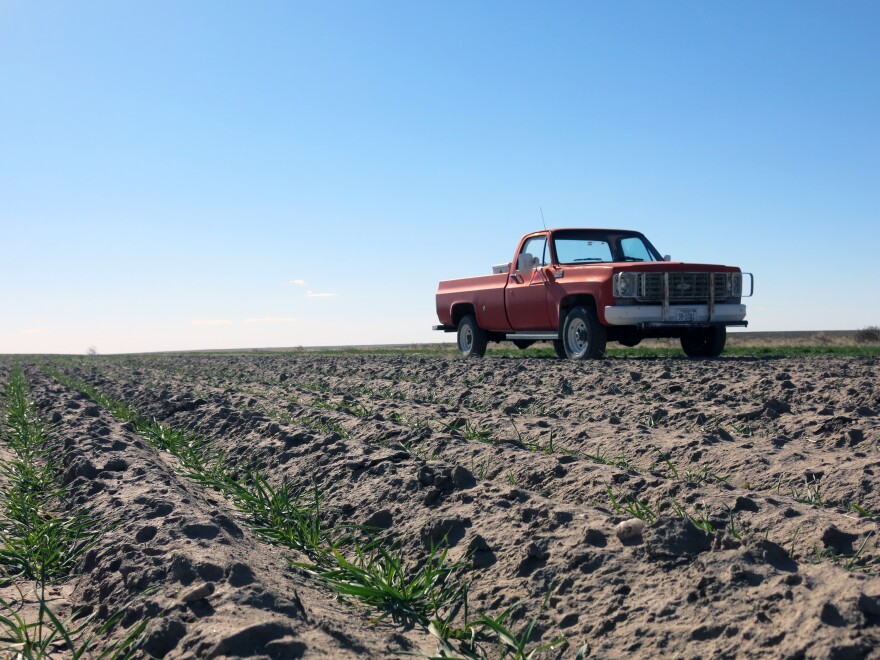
x,y
466,339
577,337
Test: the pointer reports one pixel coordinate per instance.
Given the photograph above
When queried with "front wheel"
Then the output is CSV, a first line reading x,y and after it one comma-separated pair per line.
x,y
559,348
583,337
472,339
706,344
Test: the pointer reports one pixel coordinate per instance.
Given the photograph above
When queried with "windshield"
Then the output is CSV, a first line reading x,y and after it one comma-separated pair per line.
x,y
580,246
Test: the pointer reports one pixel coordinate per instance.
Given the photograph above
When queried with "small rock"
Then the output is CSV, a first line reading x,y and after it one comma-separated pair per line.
x,y
630,531
92,411
55,418
198,592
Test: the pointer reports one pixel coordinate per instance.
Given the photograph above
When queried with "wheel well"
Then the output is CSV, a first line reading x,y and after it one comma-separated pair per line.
x,y
460,311
571,302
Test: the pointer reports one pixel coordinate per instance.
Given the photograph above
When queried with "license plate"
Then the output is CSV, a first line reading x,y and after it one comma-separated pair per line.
x,y
686,315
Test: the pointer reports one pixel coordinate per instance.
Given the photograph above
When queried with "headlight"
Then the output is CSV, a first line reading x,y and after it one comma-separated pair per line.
x,y
735,284
626,285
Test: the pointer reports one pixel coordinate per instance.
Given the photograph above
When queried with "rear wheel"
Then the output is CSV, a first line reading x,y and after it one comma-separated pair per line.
x,y
706,344
583,337
472,339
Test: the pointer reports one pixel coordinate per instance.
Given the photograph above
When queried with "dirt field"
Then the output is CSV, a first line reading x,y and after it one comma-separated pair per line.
x,y
635,507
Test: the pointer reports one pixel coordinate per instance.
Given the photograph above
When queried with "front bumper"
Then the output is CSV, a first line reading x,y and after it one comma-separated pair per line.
x,y
675,314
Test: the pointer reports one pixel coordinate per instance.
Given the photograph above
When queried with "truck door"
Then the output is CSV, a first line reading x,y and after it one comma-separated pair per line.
x,y
526,293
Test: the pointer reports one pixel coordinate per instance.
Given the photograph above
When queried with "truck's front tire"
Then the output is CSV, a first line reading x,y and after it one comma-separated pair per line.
x,y
472,339
706,344
583,337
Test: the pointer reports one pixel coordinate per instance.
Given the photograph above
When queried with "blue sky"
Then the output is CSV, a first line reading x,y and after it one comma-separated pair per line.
x,y
218,174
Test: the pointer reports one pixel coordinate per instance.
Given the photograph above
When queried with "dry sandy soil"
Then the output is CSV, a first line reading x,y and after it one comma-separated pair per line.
x,y
525,466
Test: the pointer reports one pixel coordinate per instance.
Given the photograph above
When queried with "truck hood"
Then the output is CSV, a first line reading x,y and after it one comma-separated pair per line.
x,y
668,267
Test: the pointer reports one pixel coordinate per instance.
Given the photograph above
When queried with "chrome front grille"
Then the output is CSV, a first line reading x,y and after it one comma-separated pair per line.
x,y
682,286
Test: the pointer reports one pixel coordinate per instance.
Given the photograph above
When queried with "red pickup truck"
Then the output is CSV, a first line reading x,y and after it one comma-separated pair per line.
x,y
581,288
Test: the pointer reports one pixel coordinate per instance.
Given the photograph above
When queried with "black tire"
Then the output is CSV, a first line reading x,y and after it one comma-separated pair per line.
x,y
706,344
522,344
472,339
583,337
560,349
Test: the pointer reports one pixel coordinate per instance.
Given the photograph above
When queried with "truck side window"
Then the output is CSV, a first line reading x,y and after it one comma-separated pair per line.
x,y
634,249
536,246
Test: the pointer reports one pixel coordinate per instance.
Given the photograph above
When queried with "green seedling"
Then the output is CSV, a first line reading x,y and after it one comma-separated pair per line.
x,y
862,511
704,475
515,645
850,562
632,506
468,431
382,579
811,494
494,631
619,461
39,539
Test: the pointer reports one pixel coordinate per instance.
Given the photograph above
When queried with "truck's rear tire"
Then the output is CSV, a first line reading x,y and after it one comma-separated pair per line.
x,y
583,337
706,344
472,339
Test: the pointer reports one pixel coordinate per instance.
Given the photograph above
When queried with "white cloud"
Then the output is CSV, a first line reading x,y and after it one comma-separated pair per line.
x,y
271,319
298,282
34,331
315,294
212,322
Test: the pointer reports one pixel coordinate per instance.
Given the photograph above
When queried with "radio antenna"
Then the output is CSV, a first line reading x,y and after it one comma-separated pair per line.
x,y
544,222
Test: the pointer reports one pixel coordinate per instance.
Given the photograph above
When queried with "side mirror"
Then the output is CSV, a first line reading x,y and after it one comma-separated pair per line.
x,y
666,257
